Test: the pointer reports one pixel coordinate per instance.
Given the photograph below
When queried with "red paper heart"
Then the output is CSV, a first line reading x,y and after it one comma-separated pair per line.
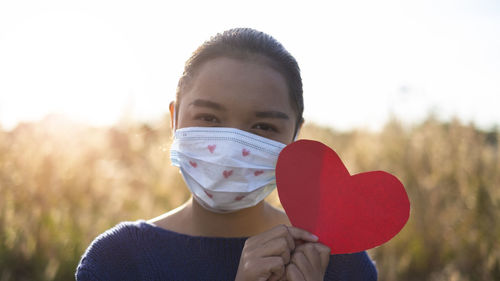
x,y
348,213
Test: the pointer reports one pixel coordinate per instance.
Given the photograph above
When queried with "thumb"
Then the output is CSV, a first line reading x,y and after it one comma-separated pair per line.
x,y
298,233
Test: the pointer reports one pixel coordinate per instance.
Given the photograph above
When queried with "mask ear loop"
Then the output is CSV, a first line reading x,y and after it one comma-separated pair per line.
x,y
298,129
296,135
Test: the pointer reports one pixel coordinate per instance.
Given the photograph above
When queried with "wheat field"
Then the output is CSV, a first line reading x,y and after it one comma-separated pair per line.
x,y
63,183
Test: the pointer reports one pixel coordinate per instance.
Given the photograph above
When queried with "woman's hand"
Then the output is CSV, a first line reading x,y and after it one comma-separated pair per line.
x,y
265,255
308,262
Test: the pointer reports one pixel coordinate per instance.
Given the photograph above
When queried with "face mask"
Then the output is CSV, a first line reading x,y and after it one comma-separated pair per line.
x,y
225,169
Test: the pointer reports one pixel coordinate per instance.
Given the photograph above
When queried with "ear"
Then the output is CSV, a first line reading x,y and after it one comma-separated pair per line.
x,y
171,108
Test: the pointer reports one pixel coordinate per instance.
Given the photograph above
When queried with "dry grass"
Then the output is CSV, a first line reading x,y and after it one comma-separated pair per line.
x,y
61,184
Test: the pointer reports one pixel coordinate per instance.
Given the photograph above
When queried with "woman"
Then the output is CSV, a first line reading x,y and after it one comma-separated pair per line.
x,y
238,103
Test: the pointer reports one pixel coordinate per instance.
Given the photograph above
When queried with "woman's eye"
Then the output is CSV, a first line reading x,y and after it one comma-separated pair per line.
x,y
265,127
207,118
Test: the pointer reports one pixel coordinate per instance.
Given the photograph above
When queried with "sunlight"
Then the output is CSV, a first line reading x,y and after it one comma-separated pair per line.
x,y
82,68
99,61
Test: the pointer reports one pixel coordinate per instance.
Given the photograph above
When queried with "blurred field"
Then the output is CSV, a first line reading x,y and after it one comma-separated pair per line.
x,y
62,184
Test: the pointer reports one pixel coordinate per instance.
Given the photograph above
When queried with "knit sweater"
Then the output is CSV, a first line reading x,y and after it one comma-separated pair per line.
x,y
142,251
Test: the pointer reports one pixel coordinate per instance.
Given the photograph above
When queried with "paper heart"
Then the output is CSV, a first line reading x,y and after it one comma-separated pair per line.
x,y
348,213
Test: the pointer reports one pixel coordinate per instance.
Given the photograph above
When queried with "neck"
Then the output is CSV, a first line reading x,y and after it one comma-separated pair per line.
x,y
241,223
193,219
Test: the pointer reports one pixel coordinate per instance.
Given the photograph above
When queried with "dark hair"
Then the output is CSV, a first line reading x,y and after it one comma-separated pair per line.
x,y
248,44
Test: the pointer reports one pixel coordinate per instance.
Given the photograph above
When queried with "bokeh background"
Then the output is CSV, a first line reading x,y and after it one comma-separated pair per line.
x,y
409,88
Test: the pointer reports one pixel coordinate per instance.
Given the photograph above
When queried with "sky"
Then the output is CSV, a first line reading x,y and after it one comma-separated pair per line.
x,y
362,61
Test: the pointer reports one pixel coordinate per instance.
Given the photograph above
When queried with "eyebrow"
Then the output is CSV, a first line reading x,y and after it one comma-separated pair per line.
x,y
218,106
271,114
209,104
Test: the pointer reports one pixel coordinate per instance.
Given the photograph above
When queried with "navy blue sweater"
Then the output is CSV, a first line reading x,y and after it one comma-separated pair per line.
x,y
141,251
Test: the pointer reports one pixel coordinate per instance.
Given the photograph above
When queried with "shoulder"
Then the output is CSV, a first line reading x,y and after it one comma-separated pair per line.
x,y
176,220
109,252
356,266
118,238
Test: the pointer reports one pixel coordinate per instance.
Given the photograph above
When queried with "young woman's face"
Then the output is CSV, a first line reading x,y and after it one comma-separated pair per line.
x,y
249,96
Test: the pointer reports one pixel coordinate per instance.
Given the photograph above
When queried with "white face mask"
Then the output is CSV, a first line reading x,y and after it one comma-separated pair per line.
x,y
226,169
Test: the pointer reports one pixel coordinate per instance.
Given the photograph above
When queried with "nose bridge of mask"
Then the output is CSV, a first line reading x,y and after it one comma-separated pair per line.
x,y
227,143
225,153
230,134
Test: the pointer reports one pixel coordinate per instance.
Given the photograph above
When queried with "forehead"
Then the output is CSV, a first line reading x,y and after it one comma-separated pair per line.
x,y
241,81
